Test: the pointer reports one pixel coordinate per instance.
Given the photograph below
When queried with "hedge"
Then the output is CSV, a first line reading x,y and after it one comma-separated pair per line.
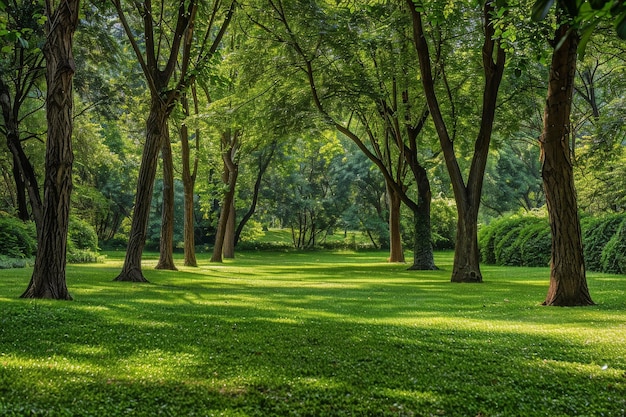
x,y
525,240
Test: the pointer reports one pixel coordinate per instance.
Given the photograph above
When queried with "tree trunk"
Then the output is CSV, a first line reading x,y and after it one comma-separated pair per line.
x,y
155,127
423,259
189,180
23,170
166,243
467,254
396,253
20,192
48,279
229,235
568,283
230,144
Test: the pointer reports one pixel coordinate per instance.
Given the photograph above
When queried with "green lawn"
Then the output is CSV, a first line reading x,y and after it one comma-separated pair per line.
x,y
310,334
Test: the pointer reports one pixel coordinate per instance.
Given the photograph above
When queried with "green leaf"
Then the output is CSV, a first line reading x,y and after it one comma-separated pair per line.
x,y
540,9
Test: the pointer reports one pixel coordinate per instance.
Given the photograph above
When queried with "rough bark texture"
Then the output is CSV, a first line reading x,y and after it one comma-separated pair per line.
x,y
466,266
423,259
396,253
48,279
156,123
568,284
466,260
229,146
166,242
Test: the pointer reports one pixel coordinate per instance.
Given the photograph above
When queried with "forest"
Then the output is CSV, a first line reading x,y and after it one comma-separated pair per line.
x,y
492,128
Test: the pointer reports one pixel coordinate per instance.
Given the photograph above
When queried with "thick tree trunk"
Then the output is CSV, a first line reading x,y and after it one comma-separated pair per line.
x,y
423,259
568,283
466,267
166,243
156,125
396,253
20,192
48,279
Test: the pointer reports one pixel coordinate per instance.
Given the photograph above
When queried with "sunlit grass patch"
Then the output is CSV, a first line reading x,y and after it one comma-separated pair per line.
x,y
319,333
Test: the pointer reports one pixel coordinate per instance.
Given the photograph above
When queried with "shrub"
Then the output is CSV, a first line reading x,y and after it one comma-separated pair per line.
x,y
597,232
17,239
519,240
83,235
614,254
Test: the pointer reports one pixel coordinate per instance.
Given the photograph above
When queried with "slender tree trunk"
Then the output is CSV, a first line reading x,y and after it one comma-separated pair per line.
x,y
20,192
423,259
189,180
229,235
230,144
568,283
263,164
155,128
23,171
396,253
166,243
48,279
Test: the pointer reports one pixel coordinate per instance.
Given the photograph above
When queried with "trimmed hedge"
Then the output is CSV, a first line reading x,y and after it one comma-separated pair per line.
x,y
525,240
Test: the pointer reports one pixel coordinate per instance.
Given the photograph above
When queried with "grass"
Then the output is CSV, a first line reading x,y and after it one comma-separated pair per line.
x,y
310,334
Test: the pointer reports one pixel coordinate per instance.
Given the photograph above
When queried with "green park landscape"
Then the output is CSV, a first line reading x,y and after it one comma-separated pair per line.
x,y
312,334
313,208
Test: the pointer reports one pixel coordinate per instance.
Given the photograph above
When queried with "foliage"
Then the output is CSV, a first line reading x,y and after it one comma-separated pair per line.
x,y
614,253
17,239
525,240
310,334
82,234
597,232
443,219
520,240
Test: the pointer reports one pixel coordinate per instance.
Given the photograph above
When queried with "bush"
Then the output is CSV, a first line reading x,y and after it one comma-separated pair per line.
x,y
614,254
516,241
83,235
443,219
597,232
17,239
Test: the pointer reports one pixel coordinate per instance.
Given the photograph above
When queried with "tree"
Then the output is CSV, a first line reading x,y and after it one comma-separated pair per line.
x,y
568,283
359,84
163,97
21,71
466,266
48,279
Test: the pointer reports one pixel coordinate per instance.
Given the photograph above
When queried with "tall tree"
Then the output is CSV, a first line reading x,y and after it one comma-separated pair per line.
x,y
20,73
466,266
48,279
161,69
369,101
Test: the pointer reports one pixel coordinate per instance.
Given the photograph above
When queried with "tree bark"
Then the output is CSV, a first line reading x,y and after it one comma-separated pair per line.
x,y
568,283
229,145
396,253
166,242
189,181
48,279
155,127
423,259
229,235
